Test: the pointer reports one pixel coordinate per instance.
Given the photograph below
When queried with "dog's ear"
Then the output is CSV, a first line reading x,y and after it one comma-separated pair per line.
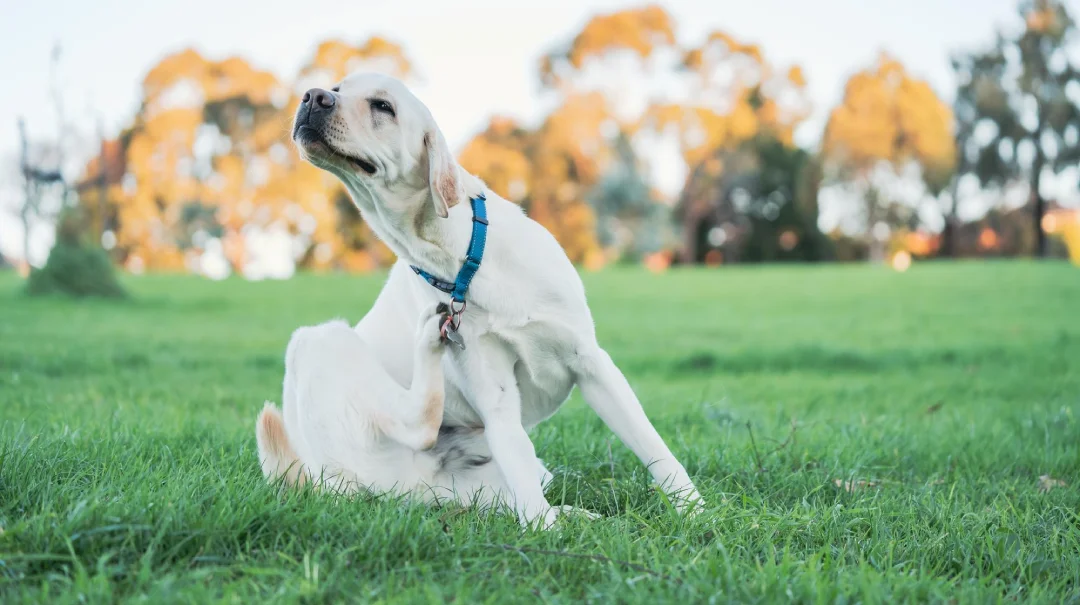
x,y
442,173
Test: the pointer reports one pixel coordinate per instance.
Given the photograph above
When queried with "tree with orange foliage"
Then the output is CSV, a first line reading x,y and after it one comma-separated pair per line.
x,y
501,156
888,120
206,159
189,152
736,94
547,170
733,91
602,79
637,31
335,59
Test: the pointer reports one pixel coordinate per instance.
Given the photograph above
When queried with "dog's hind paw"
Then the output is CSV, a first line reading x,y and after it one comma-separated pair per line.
x,y
428,328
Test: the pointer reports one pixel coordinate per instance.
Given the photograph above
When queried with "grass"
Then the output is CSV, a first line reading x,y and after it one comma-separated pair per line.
x,y
925,405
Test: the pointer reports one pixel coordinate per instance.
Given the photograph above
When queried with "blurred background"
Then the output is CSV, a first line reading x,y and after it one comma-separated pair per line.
x,y
688,132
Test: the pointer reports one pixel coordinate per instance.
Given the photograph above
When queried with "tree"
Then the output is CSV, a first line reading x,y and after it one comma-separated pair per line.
x,y
888,122
194,143
206,161
99,188
727,90
754,203
501,156
72,266
589,61
1020,89
41,164
971,73
334,59
631,221
35,182
735,95
548,170
610,84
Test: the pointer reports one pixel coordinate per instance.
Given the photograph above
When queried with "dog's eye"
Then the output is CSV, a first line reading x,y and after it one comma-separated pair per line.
x,y
336,88
383,106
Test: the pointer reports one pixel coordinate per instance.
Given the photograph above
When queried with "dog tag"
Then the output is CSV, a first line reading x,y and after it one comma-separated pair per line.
x,y
453,336
446,328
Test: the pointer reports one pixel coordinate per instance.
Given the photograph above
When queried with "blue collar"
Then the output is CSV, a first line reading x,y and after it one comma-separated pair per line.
x,y
475,254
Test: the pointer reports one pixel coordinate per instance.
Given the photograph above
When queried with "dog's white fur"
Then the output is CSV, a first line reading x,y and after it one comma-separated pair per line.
x,y
347,425
528,329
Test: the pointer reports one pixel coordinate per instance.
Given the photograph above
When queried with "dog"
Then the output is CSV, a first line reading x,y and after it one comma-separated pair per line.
x,y
347,426
526,330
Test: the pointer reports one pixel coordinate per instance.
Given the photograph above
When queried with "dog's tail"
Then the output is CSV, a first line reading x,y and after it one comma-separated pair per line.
x,y
276,454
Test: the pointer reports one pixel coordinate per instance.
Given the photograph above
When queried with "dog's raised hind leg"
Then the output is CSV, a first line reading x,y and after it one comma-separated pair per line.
x,y
413,416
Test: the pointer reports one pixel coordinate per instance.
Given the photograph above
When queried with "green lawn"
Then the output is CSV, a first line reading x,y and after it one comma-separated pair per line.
x,y
926,406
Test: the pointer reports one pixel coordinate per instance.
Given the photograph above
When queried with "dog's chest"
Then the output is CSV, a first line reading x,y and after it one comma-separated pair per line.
x,y
539,400
537,404
540,356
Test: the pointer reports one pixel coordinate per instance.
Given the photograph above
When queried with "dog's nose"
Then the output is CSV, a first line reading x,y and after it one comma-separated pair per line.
x,y
319,99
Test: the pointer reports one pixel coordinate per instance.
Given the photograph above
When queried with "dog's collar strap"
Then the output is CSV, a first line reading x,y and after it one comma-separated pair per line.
x,y
456,289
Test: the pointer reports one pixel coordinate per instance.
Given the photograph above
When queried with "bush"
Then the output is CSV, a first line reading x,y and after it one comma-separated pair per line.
x,y
75,268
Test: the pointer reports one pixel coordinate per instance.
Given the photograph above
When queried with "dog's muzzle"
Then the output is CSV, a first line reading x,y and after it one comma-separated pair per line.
x,y
312,117
315,110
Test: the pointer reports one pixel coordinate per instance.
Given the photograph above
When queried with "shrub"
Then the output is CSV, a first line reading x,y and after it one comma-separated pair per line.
x,y
74,267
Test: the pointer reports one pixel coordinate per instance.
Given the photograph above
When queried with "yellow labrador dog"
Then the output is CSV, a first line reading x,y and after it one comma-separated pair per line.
x,y
525,329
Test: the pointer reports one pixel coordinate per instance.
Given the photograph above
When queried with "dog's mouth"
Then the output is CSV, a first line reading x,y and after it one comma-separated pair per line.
x,y
309,138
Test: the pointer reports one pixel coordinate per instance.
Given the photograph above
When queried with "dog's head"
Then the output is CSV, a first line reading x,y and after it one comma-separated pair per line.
x,y
374,134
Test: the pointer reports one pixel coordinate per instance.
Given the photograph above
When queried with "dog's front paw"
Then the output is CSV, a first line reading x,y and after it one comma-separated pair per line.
x,y
548,518
543,521
689,504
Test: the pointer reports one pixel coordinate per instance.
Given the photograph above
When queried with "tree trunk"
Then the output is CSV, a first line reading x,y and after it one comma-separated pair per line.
x,y
1038,203
28,190
1040,235
689,234
952,222
103,186
875,247
24,215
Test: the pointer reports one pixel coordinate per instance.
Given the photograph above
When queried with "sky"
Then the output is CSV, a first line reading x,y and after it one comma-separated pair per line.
x,y
476,58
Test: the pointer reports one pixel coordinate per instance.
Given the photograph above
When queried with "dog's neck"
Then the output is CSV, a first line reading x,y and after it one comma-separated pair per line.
x,y
403,216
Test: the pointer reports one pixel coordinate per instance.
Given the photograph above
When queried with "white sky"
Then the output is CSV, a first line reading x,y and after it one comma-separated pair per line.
x,y
476,58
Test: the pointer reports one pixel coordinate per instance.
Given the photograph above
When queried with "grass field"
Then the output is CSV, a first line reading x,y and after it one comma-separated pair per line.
x,y
925,405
